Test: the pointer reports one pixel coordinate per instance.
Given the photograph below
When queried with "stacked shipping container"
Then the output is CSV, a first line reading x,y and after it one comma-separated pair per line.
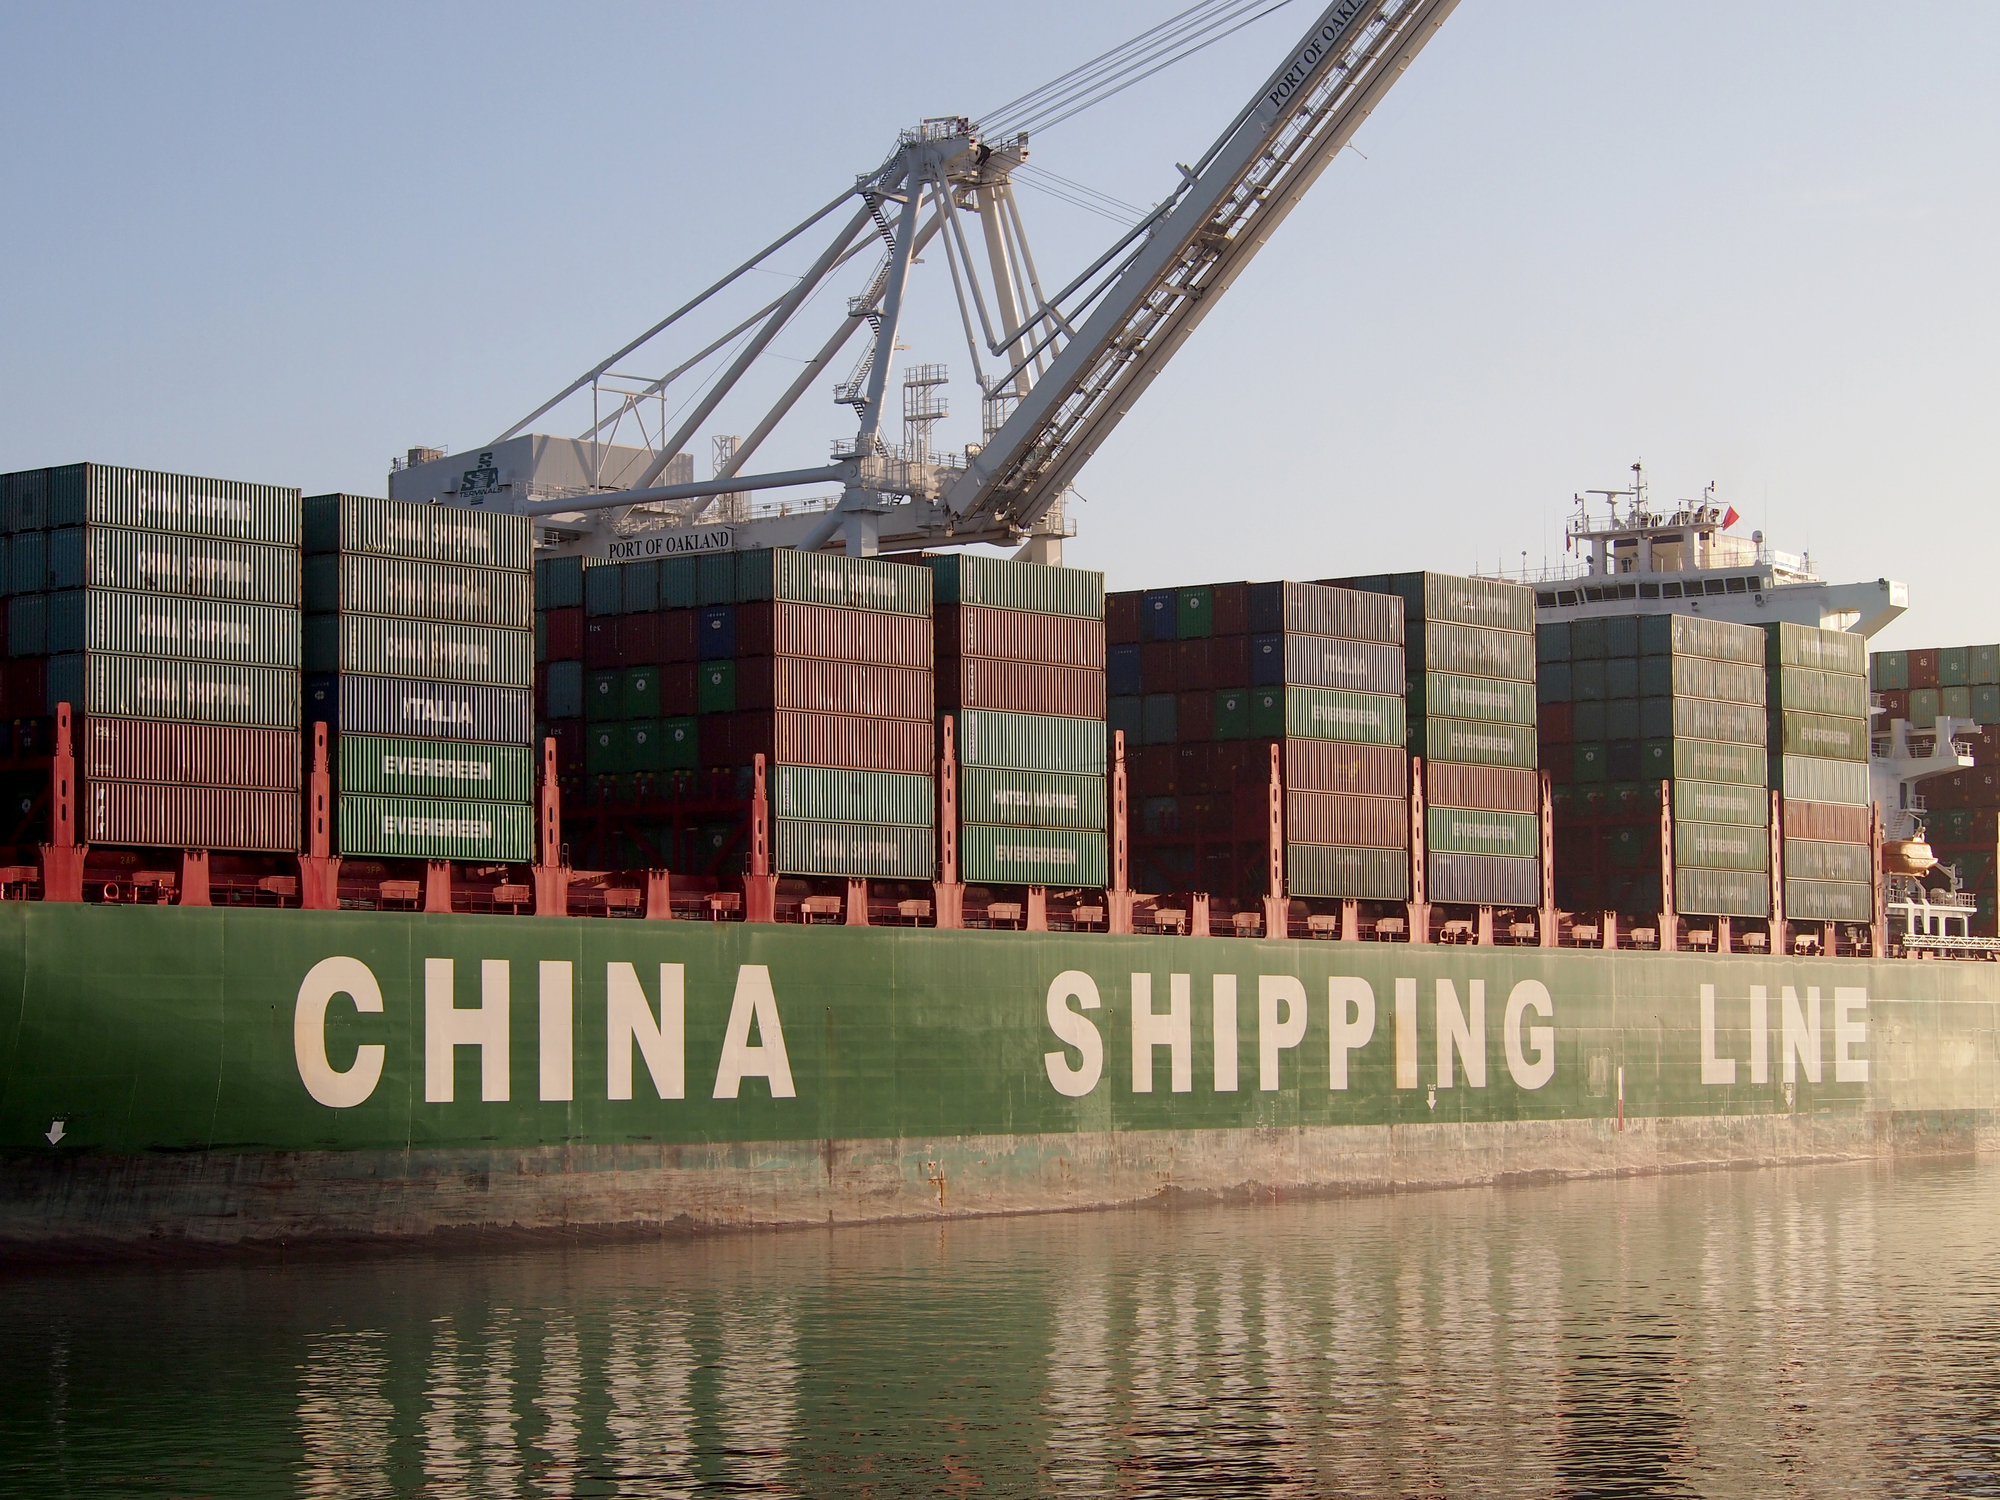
x,y
165,610
1962,682
1472,717
1818,733
1020,668
1629,702
1207,680
421,657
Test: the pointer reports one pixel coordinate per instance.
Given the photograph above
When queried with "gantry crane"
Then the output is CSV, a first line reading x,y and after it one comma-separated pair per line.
x,y
1063,369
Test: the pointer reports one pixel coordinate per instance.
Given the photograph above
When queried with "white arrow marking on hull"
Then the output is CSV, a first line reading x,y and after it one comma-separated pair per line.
x,y
54,1132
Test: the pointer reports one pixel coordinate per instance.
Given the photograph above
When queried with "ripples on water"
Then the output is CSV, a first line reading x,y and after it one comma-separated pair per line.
x,y
1832,1331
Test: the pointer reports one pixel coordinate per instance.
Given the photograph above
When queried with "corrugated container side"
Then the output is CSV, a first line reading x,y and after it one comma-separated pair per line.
x,y
787,629
1832,821
407,708
817,739
435,768
1001,583
436,828
447,592
1031,799
1324,609
1484,602
1031,742
1708,719
1330,870
1337,818
1700,677
1464,830
1032,856
561,585
113,557
419,531
1829,901
150,815
380,646
1020,635
1812,779
1342,766
1813,691
828,578
1493,788
1721,846
1812,859
1722,893
1020,687
1710,760
215,755
1478,653
1325,714
134,624
1468,742
138,687
1789,645
841,687
28,625
28,562
1552,642
100,495
1301,660
1721,802
1489,699
1694,635
1484,879
885,851
819,794
1821,736
27,500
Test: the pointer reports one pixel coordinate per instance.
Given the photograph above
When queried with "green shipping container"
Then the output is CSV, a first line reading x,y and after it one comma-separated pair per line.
x,y
1816,692
603,695
1722,893
435,768
1820,736
194,692
715,687
1829,901
1889,671
1691,635
1032,742
1466,601
1329,714
604,749
434,828
1986,704
1807,778
1589,761
1031,799
828,578
1809,859
819,795
1955,703
1923,708
1954,666
1458,830
990,855
101,495
559,583
680,745
1490,699
1985,666
113,620
1479,653
1232,714
1335,870
1708,719
882,850
448,592
1699,677
1552,643
419,531
639,693
1722,802
159,562
423,649
1001,583
1721,846
1466,742
1194,614
641,748
1789,645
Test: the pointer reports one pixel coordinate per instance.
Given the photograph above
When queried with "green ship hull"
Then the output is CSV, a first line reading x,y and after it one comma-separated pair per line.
x,y
181,1076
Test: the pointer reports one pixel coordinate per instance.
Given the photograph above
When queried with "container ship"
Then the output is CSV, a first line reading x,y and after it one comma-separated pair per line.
x,y
564,844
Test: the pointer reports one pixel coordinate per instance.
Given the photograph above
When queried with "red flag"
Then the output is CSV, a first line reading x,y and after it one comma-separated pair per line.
x,y
1730,518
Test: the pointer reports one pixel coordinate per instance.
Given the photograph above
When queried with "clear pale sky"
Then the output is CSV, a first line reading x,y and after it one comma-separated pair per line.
x,y
1748,244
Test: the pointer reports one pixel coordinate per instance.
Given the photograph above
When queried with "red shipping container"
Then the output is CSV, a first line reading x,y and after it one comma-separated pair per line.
x,y
600,642
1338,818
1159,667
1152,770
1923,668
1331,766
1191,671
1979,787
1121,619
1232,610
676,634
1018,635
677,689
1555,723
564,632
1229,661
541,690
1195,716
148,815
842,687
1486,788
569,737
785,628
1830,821
638,640
1895,705
842,741
1020,687
211,755
24,687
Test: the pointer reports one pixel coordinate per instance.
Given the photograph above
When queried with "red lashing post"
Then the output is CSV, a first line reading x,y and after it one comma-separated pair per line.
x,y
948,891
1878,928
659,896
194,878
551,875
1277,910
760,886
63,856
855,909
437,885
1420,906
1545,919
1779,931
1670,917
319,871
1118,900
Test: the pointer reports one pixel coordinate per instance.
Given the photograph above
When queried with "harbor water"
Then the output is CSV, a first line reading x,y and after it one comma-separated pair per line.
x,y
1816,1331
